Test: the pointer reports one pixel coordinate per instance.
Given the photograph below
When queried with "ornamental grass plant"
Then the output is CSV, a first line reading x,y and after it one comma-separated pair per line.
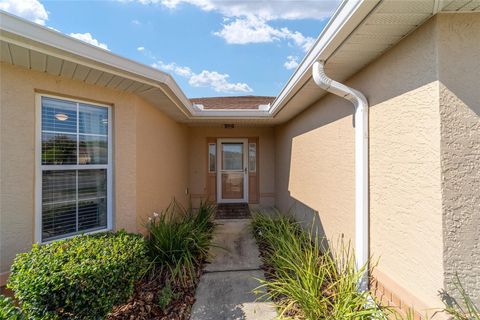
x,y
179,238
306,280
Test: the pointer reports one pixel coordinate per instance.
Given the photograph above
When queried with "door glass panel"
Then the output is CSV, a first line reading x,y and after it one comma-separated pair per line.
x,y
232,154
232,175
232,185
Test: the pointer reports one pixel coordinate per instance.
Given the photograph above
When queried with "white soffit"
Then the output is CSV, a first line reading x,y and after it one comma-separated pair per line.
x,y
461,5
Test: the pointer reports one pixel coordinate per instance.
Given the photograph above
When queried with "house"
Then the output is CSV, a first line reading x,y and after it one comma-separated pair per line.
x,y
93,141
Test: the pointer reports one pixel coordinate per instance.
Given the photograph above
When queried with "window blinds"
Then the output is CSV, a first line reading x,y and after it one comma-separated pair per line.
x,y
74,164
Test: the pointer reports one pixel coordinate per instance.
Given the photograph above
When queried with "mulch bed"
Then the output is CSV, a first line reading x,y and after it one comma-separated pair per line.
x,y
144,304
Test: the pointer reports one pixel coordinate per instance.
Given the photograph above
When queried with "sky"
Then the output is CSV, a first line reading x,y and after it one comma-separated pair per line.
x,y
211,47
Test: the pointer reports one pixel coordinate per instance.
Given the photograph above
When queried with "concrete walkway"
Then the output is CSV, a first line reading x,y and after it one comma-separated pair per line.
x,y
225,290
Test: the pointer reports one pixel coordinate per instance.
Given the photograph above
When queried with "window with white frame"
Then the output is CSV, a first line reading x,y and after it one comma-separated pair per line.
x,y
74,168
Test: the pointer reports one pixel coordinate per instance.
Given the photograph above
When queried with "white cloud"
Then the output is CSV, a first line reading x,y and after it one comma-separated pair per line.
x,y
246,21
291,63
136,22
141,49
35,11
185,72
248,30
266,9
299,39
87,37
29,9
256,30
218,82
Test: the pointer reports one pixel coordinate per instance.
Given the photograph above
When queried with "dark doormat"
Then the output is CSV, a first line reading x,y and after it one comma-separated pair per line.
x,y
233,211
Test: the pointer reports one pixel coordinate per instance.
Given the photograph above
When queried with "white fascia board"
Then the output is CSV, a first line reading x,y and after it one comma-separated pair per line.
x,y
230,114
199,111
347,17
10,24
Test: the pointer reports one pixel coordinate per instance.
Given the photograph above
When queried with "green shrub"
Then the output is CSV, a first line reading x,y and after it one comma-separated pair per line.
x,y
78,278
8,310
315,284
179,238
166,295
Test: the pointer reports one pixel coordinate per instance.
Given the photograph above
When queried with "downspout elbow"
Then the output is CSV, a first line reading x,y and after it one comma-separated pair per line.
x,y
326,83
360,103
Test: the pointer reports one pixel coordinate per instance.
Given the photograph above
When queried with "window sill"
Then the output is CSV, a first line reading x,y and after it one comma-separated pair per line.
x,y
76,235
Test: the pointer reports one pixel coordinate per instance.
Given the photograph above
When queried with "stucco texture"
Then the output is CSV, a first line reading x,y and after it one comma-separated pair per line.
x,y
162,161
198,158
459,72
142,167
315,169
405,174
315,166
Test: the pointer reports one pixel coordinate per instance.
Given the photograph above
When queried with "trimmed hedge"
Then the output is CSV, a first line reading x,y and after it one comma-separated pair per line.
x,y
9,311
78,278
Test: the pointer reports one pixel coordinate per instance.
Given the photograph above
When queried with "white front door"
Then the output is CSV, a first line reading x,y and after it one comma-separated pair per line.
x,y
232,173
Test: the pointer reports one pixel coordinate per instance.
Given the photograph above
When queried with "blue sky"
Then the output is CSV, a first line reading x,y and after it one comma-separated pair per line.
x,y
211,47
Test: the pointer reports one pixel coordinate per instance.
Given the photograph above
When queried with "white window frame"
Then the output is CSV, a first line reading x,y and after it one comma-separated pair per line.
x,y
39,167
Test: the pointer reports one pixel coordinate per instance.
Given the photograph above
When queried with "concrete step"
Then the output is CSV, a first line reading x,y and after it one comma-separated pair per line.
x,y
233,211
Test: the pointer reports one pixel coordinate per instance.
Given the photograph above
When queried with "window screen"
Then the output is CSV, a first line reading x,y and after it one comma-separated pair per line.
x,y
74,167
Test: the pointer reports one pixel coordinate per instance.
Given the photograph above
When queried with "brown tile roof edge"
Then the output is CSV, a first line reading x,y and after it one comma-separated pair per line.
x,y
238,102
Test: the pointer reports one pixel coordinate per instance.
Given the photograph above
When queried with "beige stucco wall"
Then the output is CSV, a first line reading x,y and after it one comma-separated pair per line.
x,y
315,167
316,148
162,161
459,72
141,135
405,182
198,158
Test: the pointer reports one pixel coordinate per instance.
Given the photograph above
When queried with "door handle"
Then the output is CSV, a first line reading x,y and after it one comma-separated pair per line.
x,y
245,170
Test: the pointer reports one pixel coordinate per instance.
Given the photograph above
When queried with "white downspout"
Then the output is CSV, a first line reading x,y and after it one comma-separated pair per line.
x,y
361,163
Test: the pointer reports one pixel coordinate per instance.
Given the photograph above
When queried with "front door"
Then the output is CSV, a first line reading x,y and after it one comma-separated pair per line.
x,y
232,176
